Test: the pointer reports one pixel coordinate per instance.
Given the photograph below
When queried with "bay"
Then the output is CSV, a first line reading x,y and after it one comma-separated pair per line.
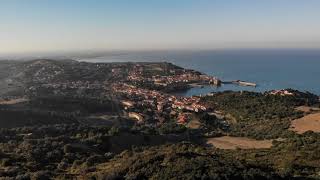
x,y
270,69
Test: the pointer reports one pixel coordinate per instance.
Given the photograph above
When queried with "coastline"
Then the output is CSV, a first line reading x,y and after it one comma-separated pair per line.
x,y
268,68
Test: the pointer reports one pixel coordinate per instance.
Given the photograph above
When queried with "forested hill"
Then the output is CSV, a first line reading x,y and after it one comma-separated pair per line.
x,y
78,120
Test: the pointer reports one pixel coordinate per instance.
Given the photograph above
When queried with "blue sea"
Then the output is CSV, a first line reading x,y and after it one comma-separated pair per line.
x,y
270,69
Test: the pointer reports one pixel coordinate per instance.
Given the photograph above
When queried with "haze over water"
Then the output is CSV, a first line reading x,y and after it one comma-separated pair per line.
x,y
270,69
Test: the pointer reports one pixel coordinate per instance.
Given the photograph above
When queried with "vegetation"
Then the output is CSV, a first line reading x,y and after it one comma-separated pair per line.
x,y
80,105
52,150
59,132
259,115
74,151
179,161
294,158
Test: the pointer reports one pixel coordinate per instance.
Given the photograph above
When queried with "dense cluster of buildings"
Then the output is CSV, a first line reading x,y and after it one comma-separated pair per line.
x,y
144,104
282,92
160,105
185,78
172,76
140,103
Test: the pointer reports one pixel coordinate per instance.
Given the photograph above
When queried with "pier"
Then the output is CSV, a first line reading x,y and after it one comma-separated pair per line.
x,y
241,83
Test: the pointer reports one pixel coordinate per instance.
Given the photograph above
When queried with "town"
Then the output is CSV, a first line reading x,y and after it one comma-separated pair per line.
x,y
146,99
144,91
81,115
144,105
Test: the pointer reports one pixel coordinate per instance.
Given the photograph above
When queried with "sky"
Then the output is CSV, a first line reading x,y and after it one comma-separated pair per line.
x,y
72,25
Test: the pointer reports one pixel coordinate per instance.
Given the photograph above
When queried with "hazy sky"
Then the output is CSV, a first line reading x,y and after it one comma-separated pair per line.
x,y
50,25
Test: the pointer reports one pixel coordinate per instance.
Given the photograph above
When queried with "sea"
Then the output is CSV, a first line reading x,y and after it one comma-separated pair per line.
x,y
270,69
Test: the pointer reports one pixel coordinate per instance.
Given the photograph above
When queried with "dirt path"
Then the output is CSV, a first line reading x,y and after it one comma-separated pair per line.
x,y
307,109
194,123
13,101
228,142
309,122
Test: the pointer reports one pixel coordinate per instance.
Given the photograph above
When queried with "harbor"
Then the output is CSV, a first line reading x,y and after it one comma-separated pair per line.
x,y
205,88
217,82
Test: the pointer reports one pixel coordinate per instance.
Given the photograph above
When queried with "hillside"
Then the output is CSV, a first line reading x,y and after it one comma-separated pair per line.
x,y
69,119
